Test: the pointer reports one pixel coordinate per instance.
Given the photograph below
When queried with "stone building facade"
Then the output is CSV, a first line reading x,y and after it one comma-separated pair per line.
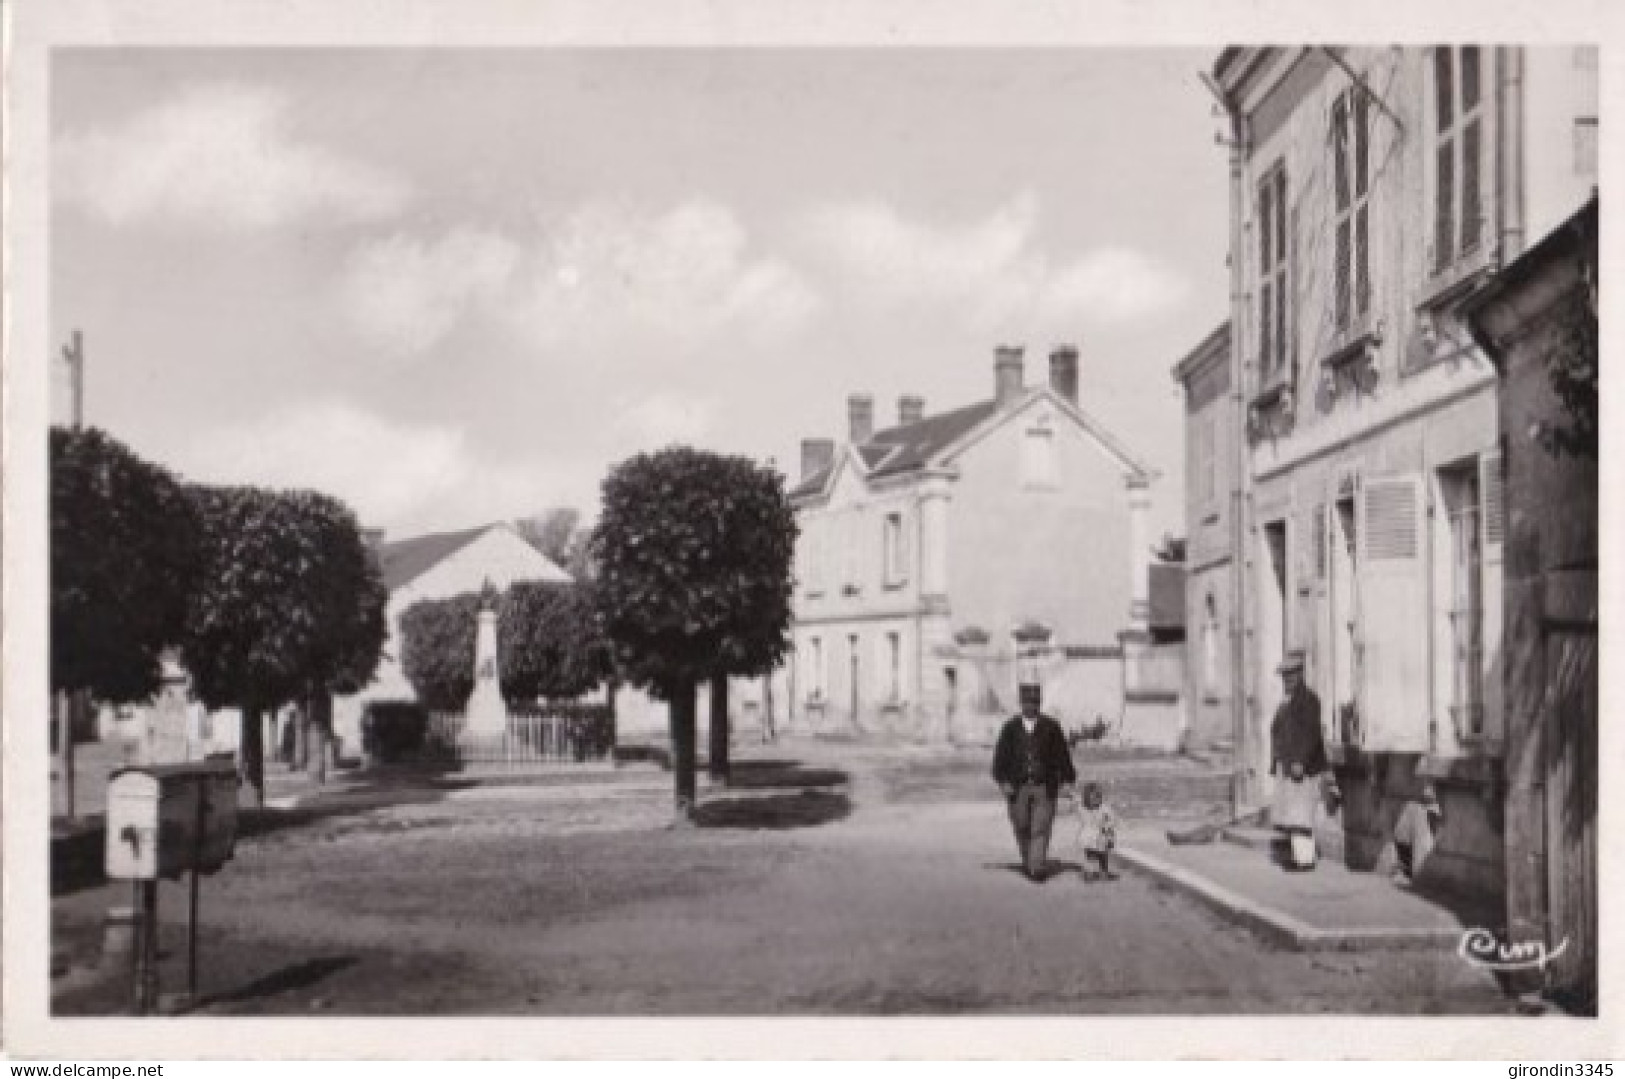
x,y
1376,189
925,546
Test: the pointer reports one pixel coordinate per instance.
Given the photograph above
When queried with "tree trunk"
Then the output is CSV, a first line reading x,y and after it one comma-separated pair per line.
x,y
64,745
301,735
682,750
321,733
717,759
252,754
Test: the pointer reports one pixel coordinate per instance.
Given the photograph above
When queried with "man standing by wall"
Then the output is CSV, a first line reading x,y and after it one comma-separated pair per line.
x,y
1031,763
1297,760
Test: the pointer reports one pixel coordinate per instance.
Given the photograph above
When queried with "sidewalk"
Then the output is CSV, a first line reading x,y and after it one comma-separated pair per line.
x,y
1331,908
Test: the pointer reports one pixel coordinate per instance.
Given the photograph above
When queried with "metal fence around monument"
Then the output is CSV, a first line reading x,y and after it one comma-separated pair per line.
x,y
579,735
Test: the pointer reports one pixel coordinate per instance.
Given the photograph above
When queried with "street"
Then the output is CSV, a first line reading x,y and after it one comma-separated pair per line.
x,y
831,879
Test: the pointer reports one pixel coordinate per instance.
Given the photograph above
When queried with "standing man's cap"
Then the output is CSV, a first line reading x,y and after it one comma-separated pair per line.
x,y
1029,689
1293,661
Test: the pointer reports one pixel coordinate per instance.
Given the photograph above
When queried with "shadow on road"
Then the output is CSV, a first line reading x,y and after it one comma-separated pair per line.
x,y
775,812
1053,869
782,774
298,976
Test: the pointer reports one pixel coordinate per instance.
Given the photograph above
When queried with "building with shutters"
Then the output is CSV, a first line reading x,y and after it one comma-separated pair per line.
x,y
1377,189
926,545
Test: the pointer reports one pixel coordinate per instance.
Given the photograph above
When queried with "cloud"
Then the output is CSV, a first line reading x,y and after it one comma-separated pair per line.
x,y
600,278
216,156
660,420
405,295
391,474
992,273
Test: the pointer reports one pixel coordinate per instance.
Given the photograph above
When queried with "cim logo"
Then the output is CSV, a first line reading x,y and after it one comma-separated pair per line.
x,y
1482,948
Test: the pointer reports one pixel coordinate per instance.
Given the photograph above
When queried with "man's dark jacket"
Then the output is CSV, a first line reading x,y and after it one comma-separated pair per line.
x,y
1054,756
1295,736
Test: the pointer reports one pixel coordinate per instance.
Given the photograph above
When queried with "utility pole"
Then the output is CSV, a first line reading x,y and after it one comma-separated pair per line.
x,y
73,353
68,705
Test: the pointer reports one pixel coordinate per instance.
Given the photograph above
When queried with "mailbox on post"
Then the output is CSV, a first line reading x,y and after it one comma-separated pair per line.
x,y
164,820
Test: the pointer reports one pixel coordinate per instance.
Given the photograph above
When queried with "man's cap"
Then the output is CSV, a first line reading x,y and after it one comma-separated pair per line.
x,y
1029,689
1292,661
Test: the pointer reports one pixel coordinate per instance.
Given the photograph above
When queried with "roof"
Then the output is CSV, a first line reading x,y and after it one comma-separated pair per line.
x,y
1576,234
908,446
1210,347
404,561
913,445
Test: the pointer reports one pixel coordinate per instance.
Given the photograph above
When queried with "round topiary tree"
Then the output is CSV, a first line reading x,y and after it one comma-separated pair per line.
x,y
437,652
123,565
286,604
693,552
550,641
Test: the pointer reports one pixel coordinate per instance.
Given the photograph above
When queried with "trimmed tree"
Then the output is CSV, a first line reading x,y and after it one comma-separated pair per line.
x,y
354,625
693,552
284,606
437,653
123,558
550,641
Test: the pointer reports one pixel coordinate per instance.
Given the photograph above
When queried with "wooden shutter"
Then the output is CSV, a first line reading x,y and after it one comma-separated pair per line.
x,y
1320,526
1491,488
1394,620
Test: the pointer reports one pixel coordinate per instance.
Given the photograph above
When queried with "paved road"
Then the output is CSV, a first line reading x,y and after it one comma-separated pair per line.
x,y
833,898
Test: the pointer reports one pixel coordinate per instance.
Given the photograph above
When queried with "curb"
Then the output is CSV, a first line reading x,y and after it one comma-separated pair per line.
x,y
1276,926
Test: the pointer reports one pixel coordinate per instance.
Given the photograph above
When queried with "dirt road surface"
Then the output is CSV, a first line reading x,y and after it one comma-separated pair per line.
x,y
829,880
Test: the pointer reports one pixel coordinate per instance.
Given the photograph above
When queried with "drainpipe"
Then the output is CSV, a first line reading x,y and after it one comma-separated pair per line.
x,y
1244,785
1510,152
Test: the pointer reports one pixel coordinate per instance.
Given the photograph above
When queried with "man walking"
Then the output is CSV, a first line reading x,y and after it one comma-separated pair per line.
x,y
1031,763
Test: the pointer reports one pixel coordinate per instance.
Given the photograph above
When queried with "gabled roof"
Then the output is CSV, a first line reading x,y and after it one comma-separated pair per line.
x,y
910,447
404,561
905,447
918,443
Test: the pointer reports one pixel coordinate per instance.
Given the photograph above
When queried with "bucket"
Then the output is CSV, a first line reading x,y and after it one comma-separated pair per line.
x,y
1302,845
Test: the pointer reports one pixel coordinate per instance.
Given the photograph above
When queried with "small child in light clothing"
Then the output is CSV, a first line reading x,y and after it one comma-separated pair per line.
x,y
1097,833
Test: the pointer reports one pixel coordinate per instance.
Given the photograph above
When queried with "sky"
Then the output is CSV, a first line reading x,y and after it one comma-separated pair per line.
x,y
456,286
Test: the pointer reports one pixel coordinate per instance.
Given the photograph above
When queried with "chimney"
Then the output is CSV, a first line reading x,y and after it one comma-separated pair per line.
x,y
1007,375
910,409
1063,372
372,537
860,416
816,455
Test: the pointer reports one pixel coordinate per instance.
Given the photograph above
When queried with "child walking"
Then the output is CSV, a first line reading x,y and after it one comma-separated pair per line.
x,y
1097,833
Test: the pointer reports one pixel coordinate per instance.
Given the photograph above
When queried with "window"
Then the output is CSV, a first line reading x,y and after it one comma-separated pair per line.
x,y
896,550
1459,146
815,668
1460,487
1351,173
1210,648
1272,276
894,667
816,552
852,551
1585,147
1038,471
1210,457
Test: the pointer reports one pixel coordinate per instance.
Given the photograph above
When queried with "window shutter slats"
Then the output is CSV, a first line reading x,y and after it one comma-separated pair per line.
x,y
1491,489
1391,520
1318,528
